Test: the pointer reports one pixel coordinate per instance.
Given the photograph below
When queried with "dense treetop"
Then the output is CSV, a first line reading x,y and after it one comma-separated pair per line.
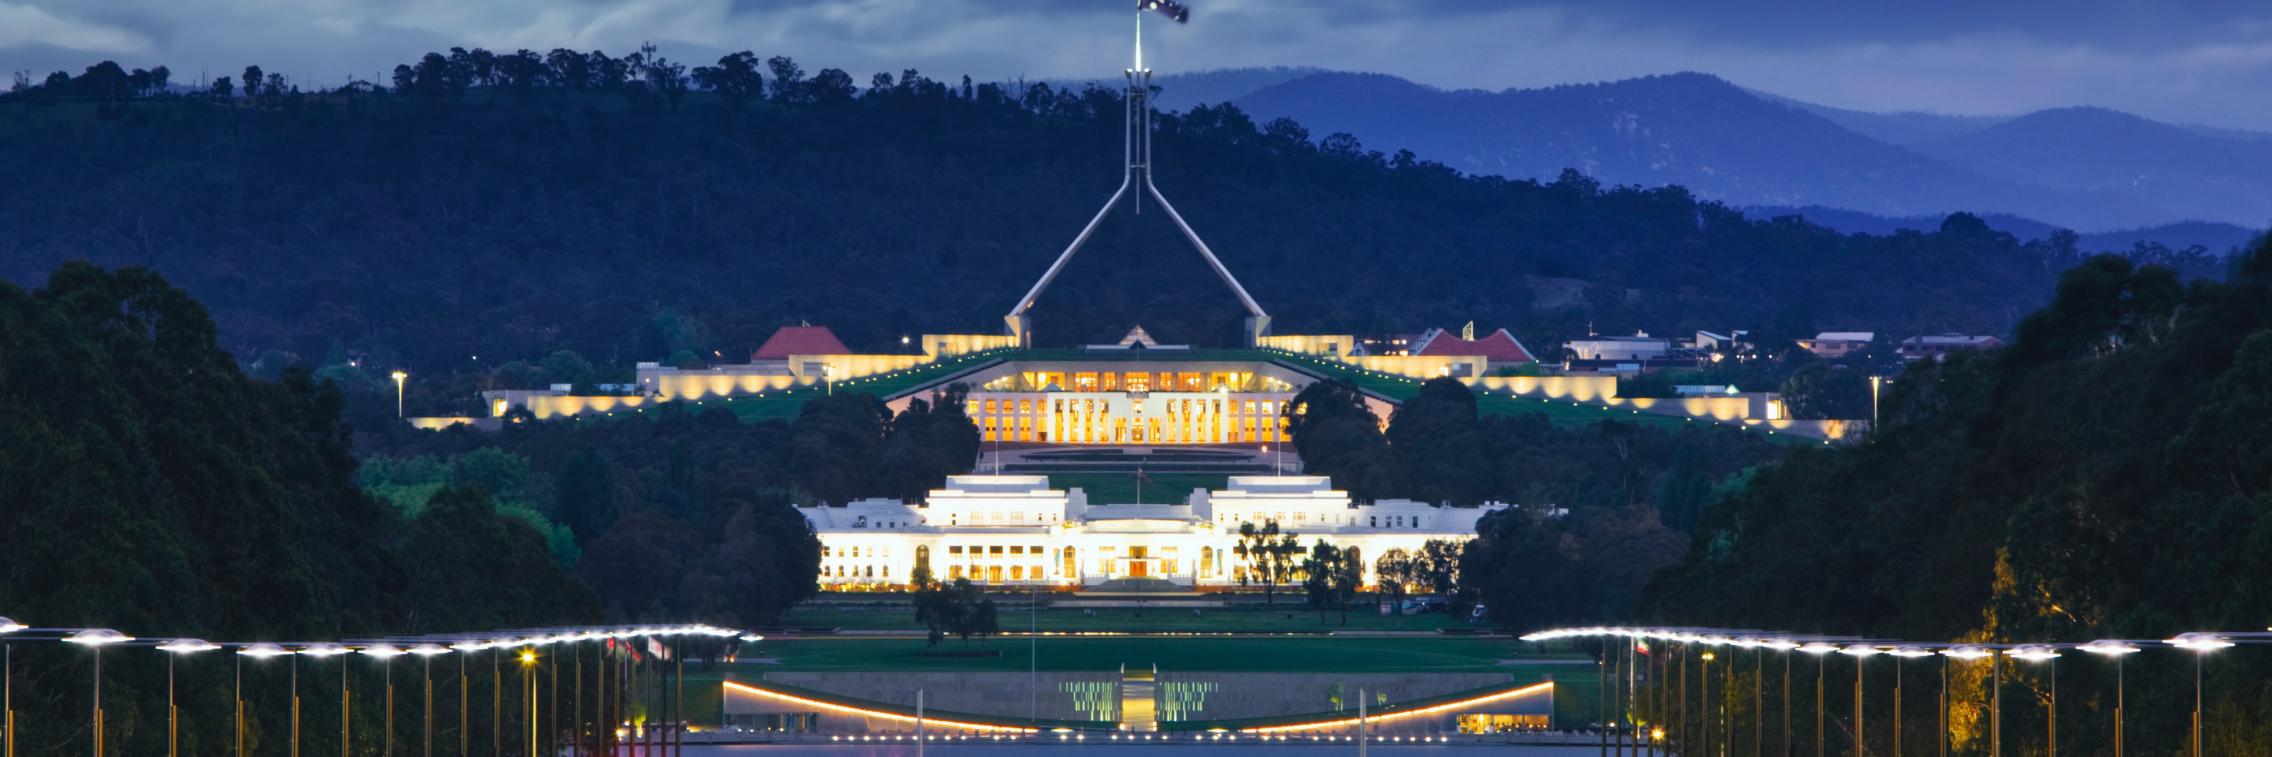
x,y
509,205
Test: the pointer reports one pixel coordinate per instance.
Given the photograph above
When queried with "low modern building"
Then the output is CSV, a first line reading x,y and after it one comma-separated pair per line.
x,y
1838,344
1017,530
1637,348
1930,347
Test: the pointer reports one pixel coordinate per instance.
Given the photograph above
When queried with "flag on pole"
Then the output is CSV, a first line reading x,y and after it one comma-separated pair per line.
x,y
1169,8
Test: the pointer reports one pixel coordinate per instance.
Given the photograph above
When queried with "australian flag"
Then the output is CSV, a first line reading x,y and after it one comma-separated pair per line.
x,y
1169,8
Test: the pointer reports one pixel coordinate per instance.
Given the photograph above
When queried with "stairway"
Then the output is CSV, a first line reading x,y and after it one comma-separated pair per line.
x,y
1137,695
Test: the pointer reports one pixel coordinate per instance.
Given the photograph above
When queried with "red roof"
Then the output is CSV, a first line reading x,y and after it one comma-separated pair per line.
x,y
800,340
1499,347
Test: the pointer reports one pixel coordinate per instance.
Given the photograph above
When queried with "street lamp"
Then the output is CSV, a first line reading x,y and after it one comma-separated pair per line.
x,y
1783,646
1820,650
1861,654
385,654
261,651
335,650
398,377
177,648
2043,653
2116,650
96,639
8,689
2200,644
528,692
1968,654
1901,655
426,654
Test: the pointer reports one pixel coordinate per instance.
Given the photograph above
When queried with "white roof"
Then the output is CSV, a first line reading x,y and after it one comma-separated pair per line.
x,y
1846,336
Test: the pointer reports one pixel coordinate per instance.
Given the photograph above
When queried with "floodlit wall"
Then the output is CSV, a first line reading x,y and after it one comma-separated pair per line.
x,y
1328,345
441,422
1422,366
1060,696
950,345
1580,388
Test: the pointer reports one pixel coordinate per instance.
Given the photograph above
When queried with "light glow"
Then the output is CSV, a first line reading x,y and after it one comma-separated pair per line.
x,y
887,715
1967,653
323,650
1536,688
2033,653
2109,648
1861,650
95,637
188,646
2199,642
262,651
1818,648
384,651
8,626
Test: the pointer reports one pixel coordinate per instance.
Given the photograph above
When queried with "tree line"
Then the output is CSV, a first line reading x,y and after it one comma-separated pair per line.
x,y
487,208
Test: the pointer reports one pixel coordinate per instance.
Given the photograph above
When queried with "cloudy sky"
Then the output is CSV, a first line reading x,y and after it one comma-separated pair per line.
x,y
2192,61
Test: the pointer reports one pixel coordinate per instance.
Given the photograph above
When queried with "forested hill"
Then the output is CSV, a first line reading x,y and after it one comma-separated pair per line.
x,y
634,211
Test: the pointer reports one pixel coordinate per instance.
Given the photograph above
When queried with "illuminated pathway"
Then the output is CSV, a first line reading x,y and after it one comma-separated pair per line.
x,y
1655,718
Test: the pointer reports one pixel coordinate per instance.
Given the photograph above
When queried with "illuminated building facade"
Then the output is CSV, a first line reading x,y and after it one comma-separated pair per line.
x,y
1017,530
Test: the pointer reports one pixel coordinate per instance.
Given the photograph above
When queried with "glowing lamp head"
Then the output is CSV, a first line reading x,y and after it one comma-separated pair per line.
x,y
528,657
188,646
2199,642
429,650
753,638
2033,653
1909,653
263,650
2109,648
1861,650
383,651
97,637
1818,648
1967,653
323,650
398,376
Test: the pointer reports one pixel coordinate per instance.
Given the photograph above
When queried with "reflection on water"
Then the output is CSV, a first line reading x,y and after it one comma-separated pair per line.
x,y
1124,750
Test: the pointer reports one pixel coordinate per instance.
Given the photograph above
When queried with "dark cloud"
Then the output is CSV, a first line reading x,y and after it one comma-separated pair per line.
x,y
2201,61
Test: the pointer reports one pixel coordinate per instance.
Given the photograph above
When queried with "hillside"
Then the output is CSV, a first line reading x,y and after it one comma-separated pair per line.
x,y
2099,150
2212,238
2086,169
447,229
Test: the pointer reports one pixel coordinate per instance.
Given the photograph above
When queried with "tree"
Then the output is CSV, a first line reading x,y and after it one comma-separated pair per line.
x,y
1438,566
222,88
1395,572
1269,557
789,84
831,88
253,79
735,79
959,609
1822,390
1331,577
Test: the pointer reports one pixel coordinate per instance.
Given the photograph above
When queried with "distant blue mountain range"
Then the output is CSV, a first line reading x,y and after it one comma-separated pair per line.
x,y
2113,176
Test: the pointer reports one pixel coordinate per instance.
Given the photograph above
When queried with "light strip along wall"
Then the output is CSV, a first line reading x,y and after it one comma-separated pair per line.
x,y
874,713
1525,691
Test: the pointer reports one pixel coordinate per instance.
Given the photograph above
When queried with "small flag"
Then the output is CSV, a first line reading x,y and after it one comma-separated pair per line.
x,y
1169,8
1641,646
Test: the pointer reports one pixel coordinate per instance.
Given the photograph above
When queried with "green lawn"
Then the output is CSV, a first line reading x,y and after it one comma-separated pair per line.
x,y
1289,616
1575,682
1104,487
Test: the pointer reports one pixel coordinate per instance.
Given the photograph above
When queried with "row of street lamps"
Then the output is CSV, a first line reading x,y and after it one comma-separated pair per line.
x,y
384,650
1822,647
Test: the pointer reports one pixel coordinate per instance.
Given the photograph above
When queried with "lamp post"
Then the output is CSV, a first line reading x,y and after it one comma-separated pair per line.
x,y
1861,654
385,654
95,639
398,377
528,692
2114,650
465,649
1901,655
2200,644
173,649
426,653
334,650
8,689
257,652
2044,654
1968,654
1821,651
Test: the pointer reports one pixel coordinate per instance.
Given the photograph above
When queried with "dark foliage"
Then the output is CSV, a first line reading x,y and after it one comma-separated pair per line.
x,y
151,487
2103,477
509,205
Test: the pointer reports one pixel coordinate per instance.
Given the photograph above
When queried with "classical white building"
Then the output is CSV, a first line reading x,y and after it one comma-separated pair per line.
x,y
1016,530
